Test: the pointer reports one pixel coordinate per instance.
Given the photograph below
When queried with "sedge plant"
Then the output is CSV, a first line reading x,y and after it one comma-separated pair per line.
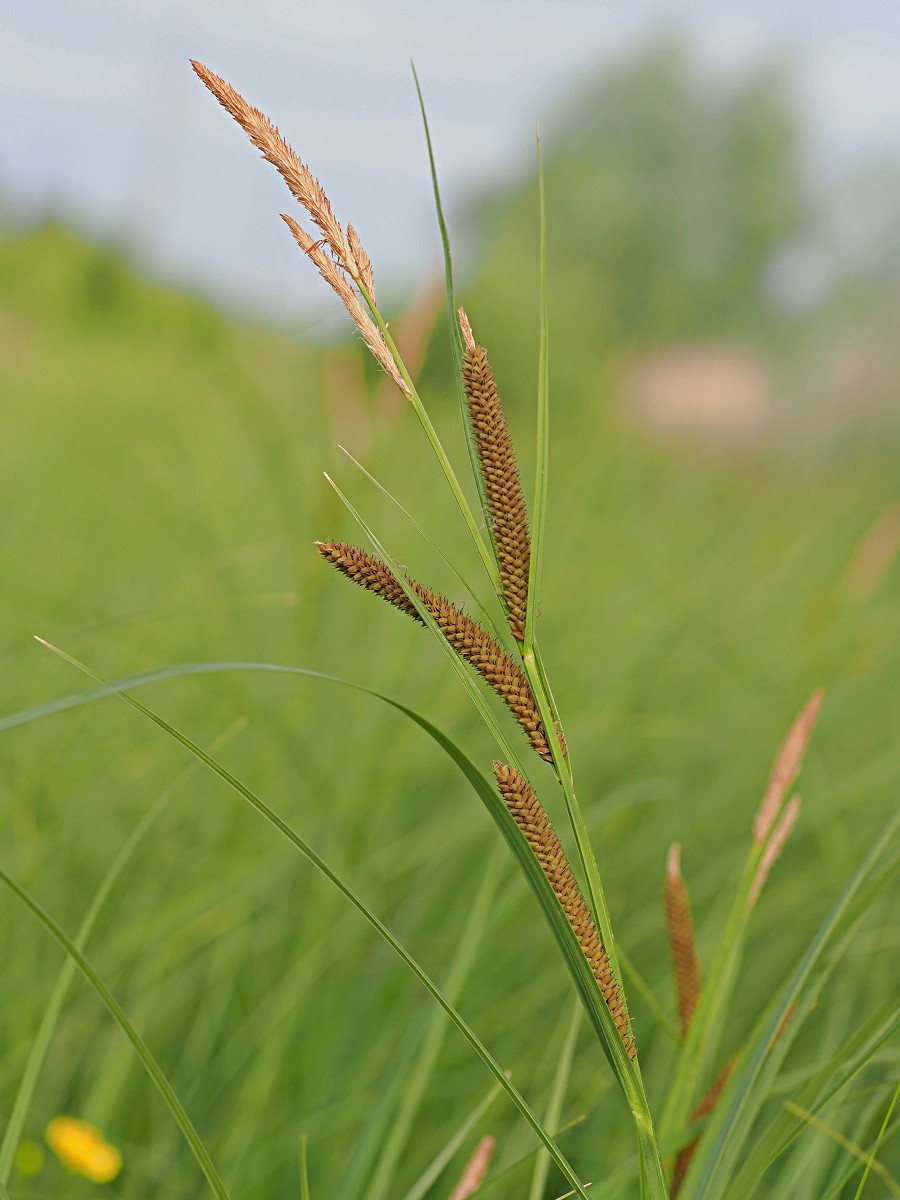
x,y
705,1142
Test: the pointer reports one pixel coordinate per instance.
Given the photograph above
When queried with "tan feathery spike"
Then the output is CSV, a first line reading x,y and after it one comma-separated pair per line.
x,y
301,182
682,943
530,816
703,1109
475,1171
466,636
500,474
338,281
787,767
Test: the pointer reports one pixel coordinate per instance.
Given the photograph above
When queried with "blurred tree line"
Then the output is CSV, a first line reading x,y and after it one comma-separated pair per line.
x,y
682,206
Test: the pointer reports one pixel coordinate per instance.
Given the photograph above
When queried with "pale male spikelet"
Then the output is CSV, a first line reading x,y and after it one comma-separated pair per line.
x,y
500,475
532,819
774,847
787,766
346,250
475,1170
466,636
301,182
682,943
336,280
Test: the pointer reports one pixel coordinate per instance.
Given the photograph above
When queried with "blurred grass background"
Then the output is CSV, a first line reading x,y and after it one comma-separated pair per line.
x,y
724,527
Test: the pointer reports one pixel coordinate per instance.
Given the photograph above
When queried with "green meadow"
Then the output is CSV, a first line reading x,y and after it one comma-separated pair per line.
x,y
161,484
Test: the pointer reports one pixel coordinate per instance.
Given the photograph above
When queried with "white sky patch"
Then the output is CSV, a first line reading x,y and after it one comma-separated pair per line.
x,y
102,118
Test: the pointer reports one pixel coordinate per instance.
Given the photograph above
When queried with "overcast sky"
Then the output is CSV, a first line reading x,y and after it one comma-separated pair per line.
x,y
102,120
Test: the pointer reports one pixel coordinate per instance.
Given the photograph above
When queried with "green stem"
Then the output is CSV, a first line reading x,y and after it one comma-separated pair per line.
x,y
440,453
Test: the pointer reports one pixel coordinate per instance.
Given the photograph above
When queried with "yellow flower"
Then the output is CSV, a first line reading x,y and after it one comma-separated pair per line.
x,y
82,1149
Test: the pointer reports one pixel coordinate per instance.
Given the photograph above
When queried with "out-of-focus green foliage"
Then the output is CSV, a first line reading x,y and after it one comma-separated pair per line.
x,y
160,480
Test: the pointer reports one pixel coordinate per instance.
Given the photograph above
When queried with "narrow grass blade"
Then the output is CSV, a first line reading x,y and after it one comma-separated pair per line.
x,y
363,909
584,981
827,1083
603,1023
153,1069
304,1173
456,342
839,1190
41,1042
423,1065
554,1107
420,531
871,1157
642,987
436,1167
542,450
730,1124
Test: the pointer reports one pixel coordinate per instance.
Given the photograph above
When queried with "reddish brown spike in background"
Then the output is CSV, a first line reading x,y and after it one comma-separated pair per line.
x,y
475,1171
500,475
532,819
466,636
787,766
682,942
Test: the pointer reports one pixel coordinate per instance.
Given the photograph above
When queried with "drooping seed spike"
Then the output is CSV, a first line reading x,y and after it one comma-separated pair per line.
x,y
500,474
470,641
531,817
682,942
370,573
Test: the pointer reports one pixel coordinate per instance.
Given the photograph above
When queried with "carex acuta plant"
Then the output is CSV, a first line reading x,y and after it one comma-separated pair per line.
x,y
707,1112
506,657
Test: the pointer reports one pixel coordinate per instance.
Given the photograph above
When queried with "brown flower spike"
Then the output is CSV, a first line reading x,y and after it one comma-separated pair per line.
x,y
529,815
682,944
500,474
466,636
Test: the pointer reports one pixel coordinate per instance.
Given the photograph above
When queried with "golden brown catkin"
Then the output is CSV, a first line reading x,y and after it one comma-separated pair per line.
x,y
466,636
502,486
531,818
682,944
